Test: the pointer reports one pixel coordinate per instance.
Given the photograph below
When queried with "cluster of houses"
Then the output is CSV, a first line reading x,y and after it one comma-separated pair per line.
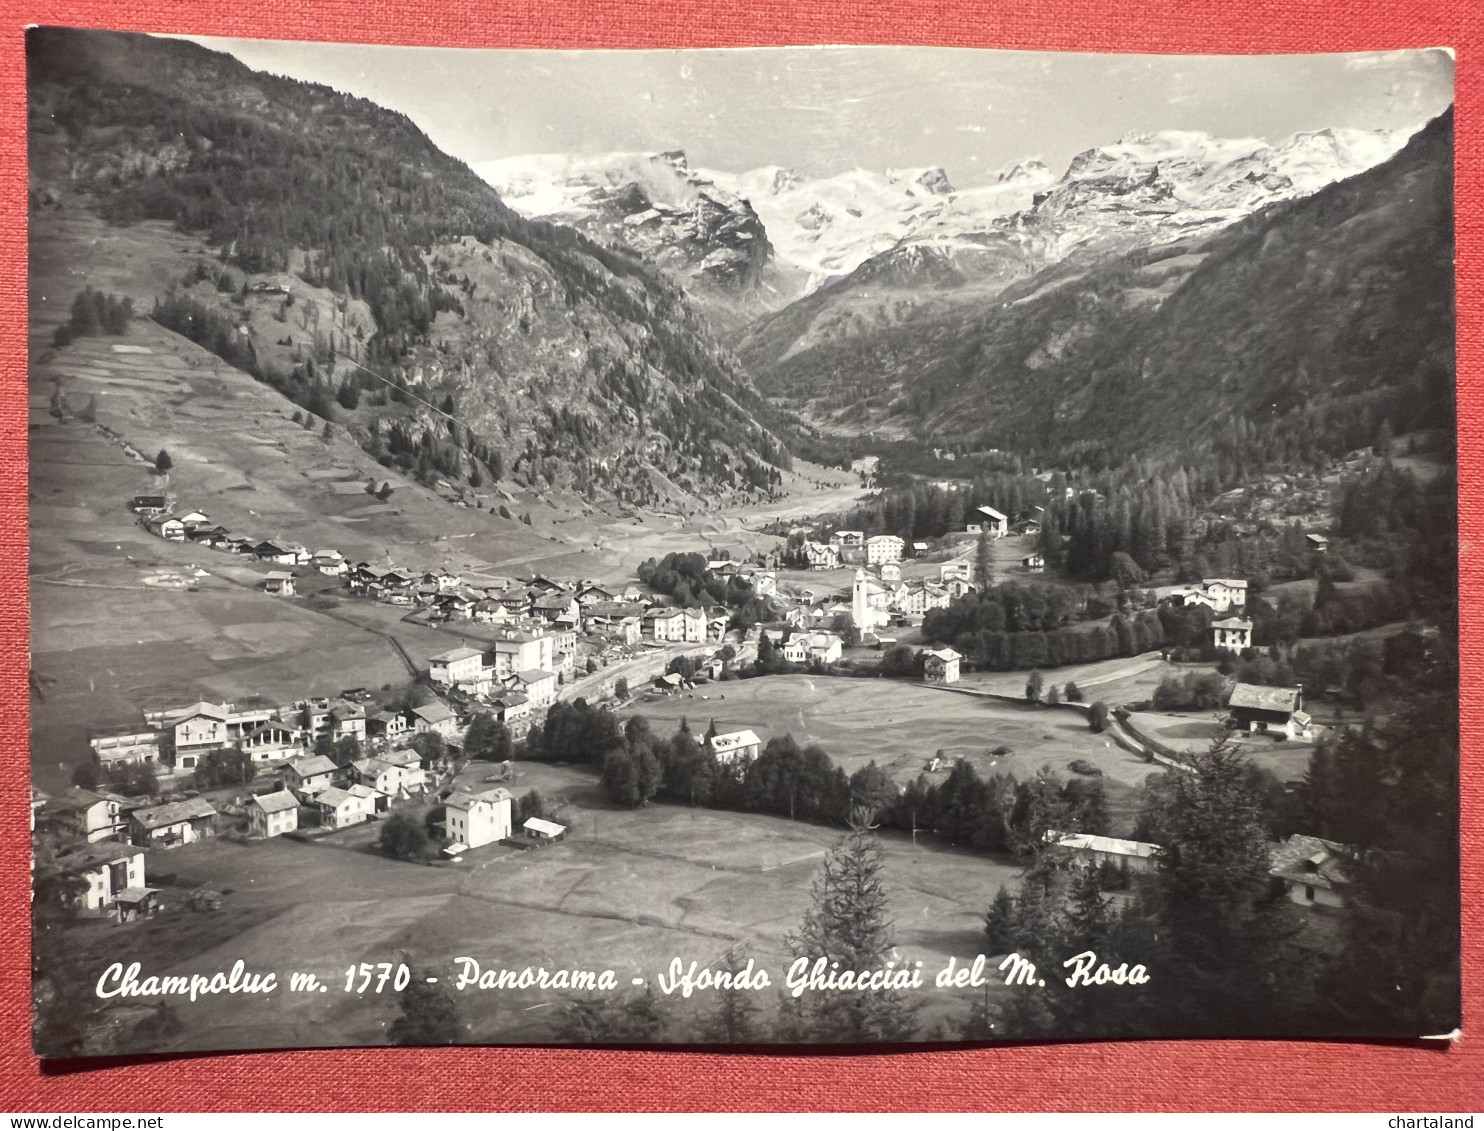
x,y
852,547
156,515
1225,596
178,738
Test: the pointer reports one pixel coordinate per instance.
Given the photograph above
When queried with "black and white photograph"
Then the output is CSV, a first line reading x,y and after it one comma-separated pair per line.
x,y
811,546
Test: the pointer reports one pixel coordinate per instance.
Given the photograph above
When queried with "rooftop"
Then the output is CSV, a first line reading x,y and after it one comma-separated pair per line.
x,y
279,802
191,809
1257,698
1111,844
454,655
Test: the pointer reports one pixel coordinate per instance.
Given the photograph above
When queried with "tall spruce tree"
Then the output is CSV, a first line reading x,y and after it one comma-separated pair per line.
x,y
848,922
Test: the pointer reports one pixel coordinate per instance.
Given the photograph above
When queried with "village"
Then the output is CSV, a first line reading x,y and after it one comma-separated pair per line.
x,y
318,766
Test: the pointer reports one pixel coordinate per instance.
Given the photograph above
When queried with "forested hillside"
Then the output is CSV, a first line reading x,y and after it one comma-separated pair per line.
x,y
1302,327
460,339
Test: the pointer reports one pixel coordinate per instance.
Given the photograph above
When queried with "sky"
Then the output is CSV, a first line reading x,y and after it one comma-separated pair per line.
x,y
821,111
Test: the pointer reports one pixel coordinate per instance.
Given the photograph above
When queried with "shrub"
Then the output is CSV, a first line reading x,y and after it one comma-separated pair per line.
x,y
404,839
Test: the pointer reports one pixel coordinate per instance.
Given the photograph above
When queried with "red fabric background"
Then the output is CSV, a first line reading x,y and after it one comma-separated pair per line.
x,y
1113,1076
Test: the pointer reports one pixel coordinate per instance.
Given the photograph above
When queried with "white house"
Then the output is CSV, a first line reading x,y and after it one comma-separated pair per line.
x,y
308,776
820,556
476,819
729,747
1225,593
82,813
329,562
517,650
435,717
891,571
665,625
539,686
940,666
279,583
883,548
1234,634
824,647
341,808
106,869
272,814
198,728
459,665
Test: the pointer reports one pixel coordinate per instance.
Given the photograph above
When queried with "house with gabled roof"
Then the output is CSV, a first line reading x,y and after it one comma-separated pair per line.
x,y
279,583
167,527
940,665
1232,634
81,813
272,814
992,522
341,808
539,685
104,872
309,775
277,552
387,726
173,824
821,556
735,745
474,819
435,717
1314,871
1269,710
457,665
199,728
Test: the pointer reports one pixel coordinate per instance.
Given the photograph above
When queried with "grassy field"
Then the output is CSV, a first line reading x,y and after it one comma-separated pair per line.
x,y
1113,681
628,891
900,725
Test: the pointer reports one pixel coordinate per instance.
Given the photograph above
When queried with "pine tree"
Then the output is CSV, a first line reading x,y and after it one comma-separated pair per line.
x,y
427,1014
984,562
733,1019
848,923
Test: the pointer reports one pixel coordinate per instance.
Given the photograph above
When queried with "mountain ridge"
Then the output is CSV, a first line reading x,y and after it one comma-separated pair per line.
x,y
560,357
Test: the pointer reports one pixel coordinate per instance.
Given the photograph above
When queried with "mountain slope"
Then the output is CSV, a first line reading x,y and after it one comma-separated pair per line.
x,y
1335,307
1142,191
460,339
680,221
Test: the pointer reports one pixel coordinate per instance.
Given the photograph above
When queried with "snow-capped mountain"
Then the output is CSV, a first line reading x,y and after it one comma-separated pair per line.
x,y
772,235
653,204
827,227
1162,186
1141,191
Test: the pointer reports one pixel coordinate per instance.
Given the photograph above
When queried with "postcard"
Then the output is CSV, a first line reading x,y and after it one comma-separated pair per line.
x,y
811,546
